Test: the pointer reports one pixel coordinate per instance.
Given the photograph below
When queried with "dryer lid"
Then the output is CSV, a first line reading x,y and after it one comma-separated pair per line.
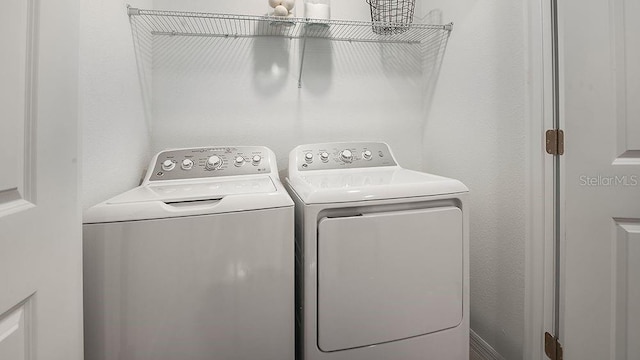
x,y
335,186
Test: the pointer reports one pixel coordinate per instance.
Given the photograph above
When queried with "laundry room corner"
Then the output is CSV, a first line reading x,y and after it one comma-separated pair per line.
x,y
475,132
115,130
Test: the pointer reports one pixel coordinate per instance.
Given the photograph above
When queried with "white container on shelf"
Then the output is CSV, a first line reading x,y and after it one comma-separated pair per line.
x,y
317,9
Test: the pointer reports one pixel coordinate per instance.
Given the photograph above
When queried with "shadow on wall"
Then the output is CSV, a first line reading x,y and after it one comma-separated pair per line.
x,y
271,59
432,53
270,65
318,66
143,48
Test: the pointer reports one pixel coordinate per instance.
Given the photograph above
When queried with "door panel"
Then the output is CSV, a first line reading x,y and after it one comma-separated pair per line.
x,y
388,276
600,78
14,333
40,236
627,77
627,290
16,23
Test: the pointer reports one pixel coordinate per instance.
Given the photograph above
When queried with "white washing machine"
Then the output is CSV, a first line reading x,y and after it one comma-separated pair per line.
x,y
196,263
381,257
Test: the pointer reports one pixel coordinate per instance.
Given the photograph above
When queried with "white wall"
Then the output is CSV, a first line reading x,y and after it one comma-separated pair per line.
x,y
225,91
115,136
475,132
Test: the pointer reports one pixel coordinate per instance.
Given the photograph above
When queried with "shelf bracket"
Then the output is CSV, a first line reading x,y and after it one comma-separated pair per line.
x,y
304,48
131,11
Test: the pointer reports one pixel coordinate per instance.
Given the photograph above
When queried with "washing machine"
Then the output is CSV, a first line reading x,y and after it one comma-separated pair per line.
x,y
197,263
381,257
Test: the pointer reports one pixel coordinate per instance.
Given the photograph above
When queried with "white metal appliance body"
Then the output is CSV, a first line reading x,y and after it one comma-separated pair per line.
x,y
196,263
381,257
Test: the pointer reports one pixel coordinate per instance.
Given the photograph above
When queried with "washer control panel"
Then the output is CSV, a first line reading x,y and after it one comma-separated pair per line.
x,y
343,156
209,162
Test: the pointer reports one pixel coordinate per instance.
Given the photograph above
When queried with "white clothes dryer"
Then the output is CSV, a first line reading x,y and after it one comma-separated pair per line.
x,y
381,257
196,263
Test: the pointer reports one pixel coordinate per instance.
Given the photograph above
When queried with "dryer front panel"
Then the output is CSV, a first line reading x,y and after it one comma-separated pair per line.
x,y
388,276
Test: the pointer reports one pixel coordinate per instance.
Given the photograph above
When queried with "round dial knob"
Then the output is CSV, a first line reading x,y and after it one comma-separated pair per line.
x,y
187,164
324,156
239,161
367,155
214,162
168,165
308,157
256,159
346,155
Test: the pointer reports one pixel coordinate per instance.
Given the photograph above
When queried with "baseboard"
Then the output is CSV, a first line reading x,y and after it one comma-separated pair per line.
x,y
480,349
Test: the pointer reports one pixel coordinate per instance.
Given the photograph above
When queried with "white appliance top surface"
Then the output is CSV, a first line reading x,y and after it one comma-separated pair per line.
x,y
196,190
332,186
240,179
359,179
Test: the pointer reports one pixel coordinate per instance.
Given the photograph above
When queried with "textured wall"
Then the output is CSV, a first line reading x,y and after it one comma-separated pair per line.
x,y
475,132
115,136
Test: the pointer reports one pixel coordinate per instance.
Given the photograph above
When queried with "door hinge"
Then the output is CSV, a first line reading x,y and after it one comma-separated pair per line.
x,y
552,347
555,142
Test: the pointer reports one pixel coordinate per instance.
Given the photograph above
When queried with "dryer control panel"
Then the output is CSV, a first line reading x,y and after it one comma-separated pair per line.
x,y
206,162
343,156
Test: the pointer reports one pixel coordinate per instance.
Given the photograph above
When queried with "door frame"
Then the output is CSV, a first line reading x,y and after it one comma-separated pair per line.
x,y
540,187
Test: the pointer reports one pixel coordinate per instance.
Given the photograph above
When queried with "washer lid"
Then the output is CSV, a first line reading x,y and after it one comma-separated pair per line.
x,y
190,198
335,186
197,190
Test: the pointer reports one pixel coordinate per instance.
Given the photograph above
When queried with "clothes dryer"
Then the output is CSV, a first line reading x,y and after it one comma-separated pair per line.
x,y
381,257
196,263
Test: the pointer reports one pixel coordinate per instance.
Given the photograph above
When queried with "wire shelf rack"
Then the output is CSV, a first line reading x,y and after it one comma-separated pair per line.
x,y
149,23
179,23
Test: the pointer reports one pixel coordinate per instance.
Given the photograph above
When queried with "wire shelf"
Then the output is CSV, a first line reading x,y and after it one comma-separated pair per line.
x,y
228,25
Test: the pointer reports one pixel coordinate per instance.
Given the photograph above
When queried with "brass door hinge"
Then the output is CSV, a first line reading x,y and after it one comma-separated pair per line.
x,y
555,142
552,347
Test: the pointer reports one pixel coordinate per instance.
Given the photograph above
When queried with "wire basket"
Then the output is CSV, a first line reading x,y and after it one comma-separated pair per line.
x,y
391,16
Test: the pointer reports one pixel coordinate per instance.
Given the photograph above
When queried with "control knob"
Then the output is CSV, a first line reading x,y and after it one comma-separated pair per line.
x,y
346,155
214,162
239,161
308,157
256,160
367,154
168,165
324,156
187,164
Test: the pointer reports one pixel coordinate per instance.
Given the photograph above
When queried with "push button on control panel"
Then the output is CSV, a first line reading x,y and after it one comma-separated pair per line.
x,y
168,165
308,157
187,164
346,155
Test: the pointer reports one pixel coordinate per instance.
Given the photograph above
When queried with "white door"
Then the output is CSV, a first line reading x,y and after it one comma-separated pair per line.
x,y
40,221
600,77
